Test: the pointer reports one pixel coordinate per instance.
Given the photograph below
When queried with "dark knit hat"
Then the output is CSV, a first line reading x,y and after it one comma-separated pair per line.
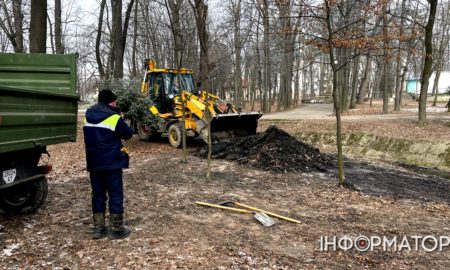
x,y
106,96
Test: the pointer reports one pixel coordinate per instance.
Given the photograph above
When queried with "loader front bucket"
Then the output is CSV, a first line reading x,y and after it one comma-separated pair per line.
x,y
234,124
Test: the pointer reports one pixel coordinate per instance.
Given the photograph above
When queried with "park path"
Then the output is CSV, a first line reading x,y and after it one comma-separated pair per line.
x,y
325,112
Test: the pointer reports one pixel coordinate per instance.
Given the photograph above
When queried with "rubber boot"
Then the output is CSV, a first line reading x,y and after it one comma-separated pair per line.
x,y
100,229
118,231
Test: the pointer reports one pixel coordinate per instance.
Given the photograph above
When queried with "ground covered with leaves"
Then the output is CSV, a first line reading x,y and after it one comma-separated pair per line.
x,y
169,231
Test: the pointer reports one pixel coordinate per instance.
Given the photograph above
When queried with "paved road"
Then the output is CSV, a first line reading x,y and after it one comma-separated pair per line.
x,y
308,111
325,111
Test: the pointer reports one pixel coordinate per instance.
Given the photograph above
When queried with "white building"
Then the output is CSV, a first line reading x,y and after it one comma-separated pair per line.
x,y
413,85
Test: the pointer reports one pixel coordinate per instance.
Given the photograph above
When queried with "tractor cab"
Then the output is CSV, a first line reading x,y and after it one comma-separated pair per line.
x,y
163,85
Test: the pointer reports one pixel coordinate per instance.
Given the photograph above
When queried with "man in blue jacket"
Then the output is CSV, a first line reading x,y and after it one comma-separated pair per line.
x,y
104,129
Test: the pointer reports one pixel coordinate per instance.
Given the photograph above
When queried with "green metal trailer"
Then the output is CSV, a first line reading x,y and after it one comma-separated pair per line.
x,y
38,107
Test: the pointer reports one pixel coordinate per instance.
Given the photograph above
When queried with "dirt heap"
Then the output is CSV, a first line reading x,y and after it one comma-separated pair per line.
x,y
273,150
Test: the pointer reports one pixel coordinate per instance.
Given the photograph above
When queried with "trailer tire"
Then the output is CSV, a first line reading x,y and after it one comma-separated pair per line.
x,y
24,198
175,135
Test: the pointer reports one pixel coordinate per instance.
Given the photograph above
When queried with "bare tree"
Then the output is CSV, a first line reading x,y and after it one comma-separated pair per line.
x,y
236,13
336,101
263,8
363,87
288,34
444,37
135,37
386,59
355,75
398,89
201,17
173,8
98,58
13,30
428,63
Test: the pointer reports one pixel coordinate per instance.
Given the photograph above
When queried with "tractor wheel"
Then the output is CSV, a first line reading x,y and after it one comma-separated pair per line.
x,y
24,198
143,131
175,135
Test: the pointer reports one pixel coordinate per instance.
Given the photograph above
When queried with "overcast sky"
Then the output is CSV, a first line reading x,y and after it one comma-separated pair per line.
x,y
92,6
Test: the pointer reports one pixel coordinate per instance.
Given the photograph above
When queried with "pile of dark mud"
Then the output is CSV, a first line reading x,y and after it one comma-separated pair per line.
x,y
273,150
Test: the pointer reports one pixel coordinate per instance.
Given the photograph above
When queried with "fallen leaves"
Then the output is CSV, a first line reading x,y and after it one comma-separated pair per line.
x,y
169,231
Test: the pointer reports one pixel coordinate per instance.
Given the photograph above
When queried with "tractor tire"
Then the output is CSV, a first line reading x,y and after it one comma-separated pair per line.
x,y
143,131
24,198
175,135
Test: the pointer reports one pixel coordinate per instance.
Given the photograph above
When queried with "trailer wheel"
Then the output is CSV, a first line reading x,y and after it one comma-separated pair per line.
x,y
175,135
25,198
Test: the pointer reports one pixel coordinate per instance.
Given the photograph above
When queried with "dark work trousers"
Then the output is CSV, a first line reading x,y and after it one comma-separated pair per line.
x,y
107,183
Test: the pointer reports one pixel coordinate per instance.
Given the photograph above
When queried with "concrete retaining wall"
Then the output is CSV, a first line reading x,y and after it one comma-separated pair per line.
x,y
424,154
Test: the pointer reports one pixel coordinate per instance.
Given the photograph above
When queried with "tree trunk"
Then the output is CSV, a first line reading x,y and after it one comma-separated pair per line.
x,y
405,69
321,77
151,39
399,60
377,83
59,45
50,28
119,35
18,25
201,15
116,36
311,80
236,7
343,78
402,83
436,83
336,102
267,62
297,82
134,46
386,60
428,63
445,37
365,80
354,81
304,83
285,91
258,68
98,58
175,7
38,26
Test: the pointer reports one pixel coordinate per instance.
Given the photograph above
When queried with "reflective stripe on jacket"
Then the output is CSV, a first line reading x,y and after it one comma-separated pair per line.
x,y
109,123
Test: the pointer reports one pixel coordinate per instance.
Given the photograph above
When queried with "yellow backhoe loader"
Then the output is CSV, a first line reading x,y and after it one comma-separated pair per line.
x,y
167,88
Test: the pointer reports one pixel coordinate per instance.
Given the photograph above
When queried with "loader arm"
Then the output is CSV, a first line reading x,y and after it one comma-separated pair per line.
x,y
194,104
